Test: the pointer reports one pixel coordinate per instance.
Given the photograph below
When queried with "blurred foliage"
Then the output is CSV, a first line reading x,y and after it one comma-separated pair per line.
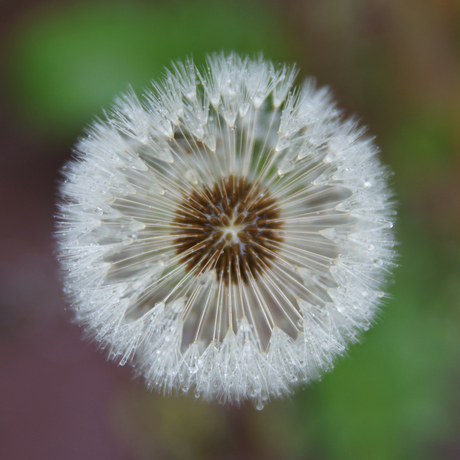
x,y
69,61
395,396
422,148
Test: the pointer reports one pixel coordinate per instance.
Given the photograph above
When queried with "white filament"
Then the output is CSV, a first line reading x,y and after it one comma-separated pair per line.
x,y
186,329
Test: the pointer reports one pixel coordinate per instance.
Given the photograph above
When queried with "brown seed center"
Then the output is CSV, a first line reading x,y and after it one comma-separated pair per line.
x,y
232,228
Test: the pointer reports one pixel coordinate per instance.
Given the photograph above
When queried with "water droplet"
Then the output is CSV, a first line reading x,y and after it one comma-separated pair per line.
x,y
260,405
283,142
192,176
378,262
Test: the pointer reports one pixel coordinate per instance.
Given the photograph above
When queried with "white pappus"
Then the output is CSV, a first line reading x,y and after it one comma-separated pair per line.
x,y
229,234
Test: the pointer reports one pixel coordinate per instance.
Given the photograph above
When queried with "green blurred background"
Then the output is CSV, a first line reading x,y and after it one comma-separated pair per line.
x,y
394,62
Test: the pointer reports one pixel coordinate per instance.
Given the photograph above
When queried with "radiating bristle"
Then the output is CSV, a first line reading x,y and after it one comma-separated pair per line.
x,y
232,225
229,235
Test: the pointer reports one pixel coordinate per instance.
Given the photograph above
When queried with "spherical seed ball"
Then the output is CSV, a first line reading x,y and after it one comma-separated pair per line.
x,y
229,235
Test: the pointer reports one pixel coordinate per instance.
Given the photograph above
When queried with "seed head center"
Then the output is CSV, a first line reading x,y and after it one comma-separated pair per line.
x,y
232,228
231,232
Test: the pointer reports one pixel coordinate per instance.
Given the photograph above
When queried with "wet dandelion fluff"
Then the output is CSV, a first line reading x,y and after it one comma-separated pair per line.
x,y
229,235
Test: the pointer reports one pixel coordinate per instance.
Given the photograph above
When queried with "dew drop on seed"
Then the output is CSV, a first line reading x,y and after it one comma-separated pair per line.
x,y
260,405
378,262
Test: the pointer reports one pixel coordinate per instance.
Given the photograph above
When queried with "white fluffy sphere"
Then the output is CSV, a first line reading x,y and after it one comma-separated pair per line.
x,y
229,235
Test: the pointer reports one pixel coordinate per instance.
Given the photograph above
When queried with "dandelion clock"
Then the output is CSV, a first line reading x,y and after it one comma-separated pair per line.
x,y
228,234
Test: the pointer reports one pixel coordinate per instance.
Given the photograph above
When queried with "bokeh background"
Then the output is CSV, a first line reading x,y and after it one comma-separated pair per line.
x,y
394,62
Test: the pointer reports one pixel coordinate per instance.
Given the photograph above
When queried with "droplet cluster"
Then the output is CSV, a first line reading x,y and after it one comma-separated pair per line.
x,y
228,234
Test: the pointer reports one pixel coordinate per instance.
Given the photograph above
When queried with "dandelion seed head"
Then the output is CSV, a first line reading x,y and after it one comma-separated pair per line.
x,y
228,234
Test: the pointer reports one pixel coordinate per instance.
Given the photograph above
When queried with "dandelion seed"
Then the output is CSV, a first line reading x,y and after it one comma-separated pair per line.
x,y
229,235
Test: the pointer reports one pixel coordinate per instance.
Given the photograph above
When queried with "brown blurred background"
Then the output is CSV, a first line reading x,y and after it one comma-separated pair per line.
x,y
394,62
